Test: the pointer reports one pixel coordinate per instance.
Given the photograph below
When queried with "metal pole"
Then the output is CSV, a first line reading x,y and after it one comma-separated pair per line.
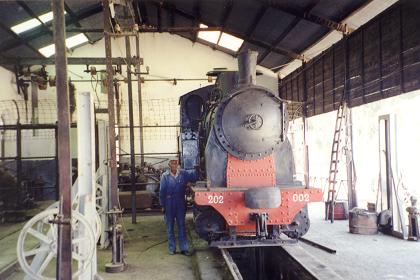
x,y
57,183
64,252
111,109
19,156
139,97
351,176
34,101
118,105
131,128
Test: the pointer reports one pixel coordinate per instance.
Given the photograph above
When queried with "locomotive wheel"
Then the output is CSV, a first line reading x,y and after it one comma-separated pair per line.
x,y
300,225
209,224
197,210
256,198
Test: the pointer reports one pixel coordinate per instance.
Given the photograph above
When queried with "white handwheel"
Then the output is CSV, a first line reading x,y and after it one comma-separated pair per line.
x,y
98,226
100,199
37,245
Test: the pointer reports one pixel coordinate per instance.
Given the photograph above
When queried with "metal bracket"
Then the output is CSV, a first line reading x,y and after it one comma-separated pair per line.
x,y
59,220
260,224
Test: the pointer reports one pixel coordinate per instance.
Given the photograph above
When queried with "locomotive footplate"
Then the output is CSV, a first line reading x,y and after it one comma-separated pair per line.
x,y
230,203
264,237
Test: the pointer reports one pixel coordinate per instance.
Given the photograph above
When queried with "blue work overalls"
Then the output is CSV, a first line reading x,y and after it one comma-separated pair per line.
x,y
172,198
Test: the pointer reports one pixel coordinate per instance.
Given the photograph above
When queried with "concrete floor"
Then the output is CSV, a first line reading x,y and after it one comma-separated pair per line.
x,y
358,256
147,255
364,256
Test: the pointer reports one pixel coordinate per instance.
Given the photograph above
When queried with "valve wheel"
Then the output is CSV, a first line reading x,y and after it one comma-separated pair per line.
x,y
37,245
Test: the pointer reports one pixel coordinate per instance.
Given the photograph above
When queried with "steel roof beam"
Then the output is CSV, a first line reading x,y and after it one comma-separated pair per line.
x,y
288,29
143,12
75,19
226,14
159,16
197,16
255,22
259,43
51,61
330,24
18,39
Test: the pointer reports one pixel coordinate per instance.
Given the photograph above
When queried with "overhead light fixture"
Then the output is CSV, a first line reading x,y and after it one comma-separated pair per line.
x,y
209,36
230,42
71,42
32,23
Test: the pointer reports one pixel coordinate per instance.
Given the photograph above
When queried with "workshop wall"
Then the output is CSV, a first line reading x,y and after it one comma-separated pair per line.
x,y
168,56
405,151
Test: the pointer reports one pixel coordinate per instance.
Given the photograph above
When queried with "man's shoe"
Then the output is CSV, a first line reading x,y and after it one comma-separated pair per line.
x,y
172,252
186,253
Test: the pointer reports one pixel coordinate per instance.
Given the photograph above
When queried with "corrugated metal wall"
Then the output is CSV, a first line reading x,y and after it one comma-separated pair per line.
x,y
379,60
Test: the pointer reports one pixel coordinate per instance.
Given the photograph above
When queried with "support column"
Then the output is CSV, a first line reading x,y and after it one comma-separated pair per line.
x,y
111,107
351,172
64,252
131,128
139,97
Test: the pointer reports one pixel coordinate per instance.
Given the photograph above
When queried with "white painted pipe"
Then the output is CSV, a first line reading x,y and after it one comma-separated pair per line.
x,y
86,167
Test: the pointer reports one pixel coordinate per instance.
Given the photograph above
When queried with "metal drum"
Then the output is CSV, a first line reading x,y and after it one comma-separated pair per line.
x,y
363,222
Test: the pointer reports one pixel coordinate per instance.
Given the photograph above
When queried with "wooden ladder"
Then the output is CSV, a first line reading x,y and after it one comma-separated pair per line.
x,y
332,176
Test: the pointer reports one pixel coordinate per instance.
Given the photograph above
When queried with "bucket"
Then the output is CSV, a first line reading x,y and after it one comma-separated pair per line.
x,y
363,222
341,210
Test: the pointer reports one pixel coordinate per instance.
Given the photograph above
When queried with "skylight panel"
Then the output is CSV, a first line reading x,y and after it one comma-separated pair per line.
x,y
25,26
221,39
230,42
47,17
76,40
71,42
209,36
32,23
48,50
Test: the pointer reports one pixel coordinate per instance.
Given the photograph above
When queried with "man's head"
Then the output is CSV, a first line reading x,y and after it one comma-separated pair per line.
x,y
173,165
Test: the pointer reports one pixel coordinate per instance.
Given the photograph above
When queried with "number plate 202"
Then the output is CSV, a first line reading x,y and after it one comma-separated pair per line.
x,y
215,199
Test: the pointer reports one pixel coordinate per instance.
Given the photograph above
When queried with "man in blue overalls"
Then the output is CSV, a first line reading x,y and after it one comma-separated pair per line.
x,y
173,184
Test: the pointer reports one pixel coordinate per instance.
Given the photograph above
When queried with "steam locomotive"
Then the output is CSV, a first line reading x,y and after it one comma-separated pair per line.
x,y
237,132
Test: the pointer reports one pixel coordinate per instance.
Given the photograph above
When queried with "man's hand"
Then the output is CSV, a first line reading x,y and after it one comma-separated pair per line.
x,y
163,210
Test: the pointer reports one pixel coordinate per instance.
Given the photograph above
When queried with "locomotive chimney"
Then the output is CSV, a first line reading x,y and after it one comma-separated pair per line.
x,y
247,64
